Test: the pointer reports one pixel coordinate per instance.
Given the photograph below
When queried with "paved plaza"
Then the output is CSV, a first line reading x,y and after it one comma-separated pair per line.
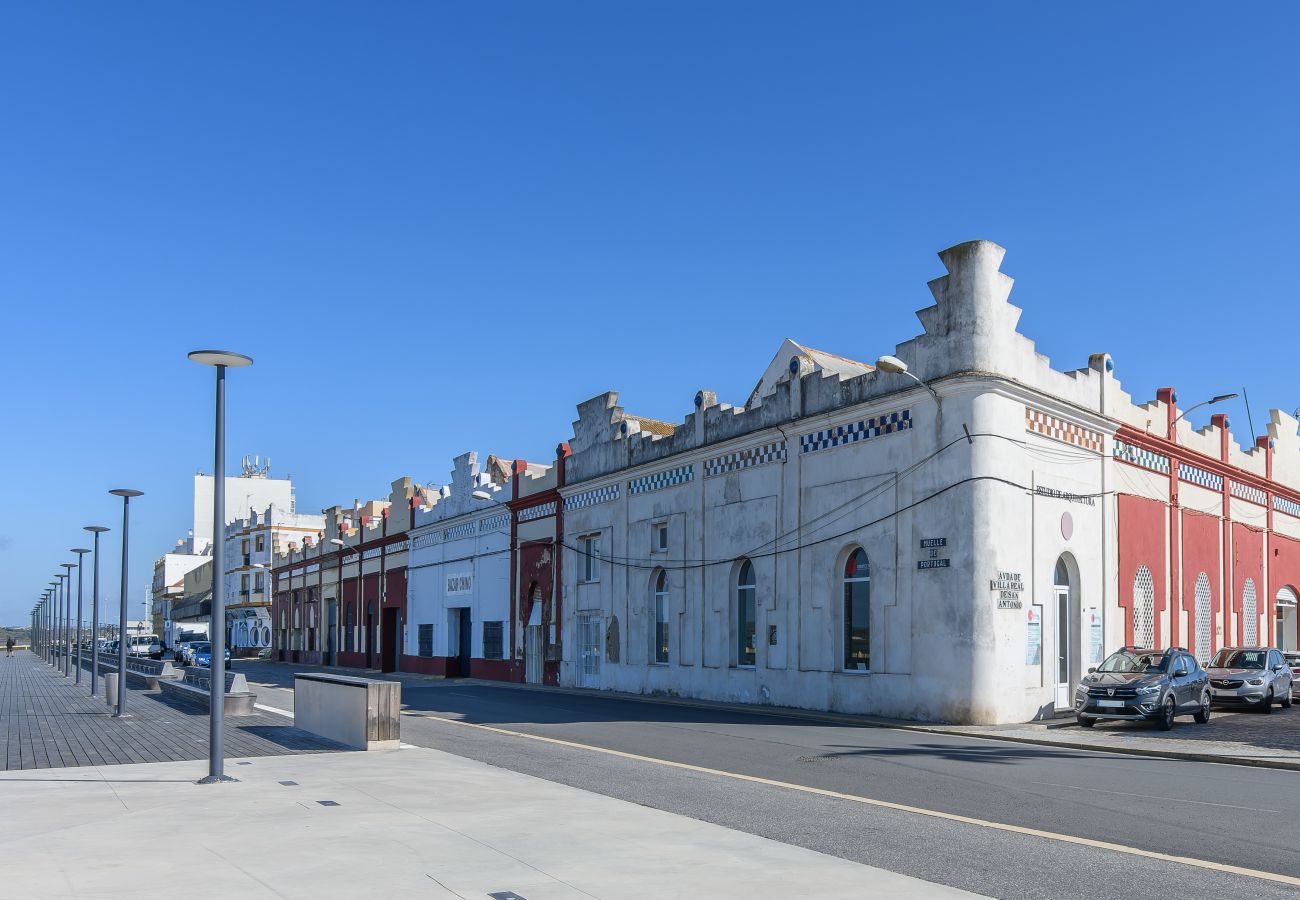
x,y
49,721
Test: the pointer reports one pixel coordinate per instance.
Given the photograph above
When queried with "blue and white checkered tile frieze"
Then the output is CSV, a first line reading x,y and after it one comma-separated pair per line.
x,y
1290,507
856,431
592,497
494,523
1248,492
761,455
541,511
1140,457
1199,476
459,531
660,480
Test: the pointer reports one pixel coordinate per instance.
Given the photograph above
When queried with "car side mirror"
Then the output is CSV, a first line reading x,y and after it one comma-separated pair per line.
x,y
1092,669
1180,673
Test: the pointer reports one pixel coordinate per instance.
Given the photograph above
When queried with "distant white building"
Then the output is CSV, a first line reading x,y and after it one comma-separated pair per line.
x,y
251,543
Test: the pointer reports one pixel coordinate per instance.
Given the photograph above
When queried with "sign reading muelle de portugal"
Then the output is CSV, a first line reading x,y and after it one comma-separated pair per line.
x,y
1008,587
932,559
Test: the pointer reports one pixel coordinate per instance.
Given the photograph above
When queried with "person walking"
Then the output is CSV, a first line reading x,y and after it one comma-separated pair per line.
x,y
9,646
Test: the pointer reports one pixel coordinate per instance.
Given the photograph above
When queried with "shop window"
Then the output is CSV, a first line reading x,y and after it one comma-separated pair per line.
x,y
857,612
746,614
425,640
493,644
659,633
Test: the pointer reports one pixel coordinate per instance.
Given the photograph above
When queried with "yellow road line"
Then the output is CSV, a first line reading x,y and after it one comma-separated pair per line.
x,y
900,807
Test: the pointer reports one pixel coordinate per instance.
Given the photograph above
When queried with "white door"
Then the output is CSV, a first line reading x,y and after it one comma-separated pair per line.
x,y
533,654
1063,647
589,640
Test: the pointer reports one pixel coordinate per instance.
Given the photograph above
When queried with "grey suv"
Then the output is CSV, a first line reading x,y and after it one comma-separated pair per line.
x,y
1250,676
1140,683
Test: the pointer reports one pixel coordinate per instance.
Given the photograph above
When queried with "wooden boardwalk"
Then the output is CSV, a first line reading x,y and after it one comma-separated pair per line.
x,y
49,721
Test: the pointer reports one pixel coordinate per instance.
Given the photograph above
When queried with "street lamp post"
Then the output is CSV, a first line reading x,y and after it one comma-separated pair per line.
x,y
1219,399
219,360
54,622
81,552
126,494
96,530
67,618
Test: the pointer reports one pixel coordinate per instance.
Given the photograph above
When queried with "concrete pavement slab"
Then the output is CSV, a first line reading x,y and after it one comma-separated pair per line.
x,y
408,823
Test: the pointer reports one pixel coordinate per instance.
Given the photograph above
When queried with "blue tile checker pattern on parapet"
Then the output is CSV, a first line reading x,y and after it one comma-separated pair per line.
x,y
592,497
761,455
660,480
459,531
1199,476
1139,457
1282,504
540,511
856,431
494,523
1248,492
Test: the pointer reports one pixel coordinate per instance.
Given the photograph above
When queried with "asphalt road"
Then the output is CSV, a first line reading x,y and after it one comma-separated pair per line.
x,y
1224,814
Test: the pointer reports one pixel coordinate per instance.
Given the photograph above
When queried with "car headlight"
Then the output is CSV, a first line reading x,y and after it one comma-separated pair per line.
x,y
1149,689
1256,681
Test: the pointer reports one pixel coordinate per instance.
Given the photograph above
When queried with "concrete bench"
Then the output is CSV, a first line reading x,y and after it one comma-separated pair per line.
x,y
358,712
151,671
196,686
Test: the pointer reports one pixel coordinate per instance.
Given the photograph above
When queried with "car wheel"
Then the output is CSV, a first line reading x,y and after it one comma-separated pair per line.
x,y
1203,714
1266,705
1165,718
1085,721
1286,700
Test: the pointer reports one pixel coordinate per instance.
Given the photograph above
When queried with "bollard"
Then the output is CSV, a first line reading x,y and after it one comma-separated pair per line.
x,y
110,689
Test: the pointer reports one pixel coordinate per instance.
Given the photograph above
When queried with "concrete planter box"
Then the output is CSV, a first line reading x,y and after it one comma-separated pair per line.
x,y
358,712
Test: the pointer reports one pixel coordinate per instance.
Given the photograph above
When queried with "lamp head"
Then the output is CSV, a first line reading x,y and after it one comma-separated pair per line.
x,y
891,364
126,492
1222,397
96,528
221,358
481,495
69,567
336,541
79,550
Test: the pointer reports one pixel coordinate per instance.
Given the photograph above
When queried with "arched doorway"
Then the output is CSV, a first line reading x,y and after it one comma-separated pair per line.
x,y
1287,638
1065,592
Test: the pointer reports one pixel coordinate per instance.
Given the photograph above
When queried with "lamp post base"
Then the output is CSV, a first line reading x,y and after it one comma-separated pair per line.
x,y
216,779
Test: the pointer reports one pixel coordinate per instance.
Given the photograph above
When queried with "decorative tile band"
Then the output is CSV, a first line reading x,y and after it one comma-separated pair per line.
x,y
494,523
1290,507
540,511
856,431
1199,476
1140,457
1059,429
660,480
1247,492
425,540
744,459
592,497
459,531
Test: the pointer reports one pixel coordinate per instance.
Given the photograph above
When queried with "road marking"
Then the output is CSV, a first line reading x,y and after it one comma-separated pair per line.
x,y
1075,787
898,807
272,709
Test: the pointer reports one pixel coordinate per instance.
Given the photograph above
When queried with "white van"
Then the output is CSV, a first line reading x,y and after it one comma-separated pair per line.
x,y
144,645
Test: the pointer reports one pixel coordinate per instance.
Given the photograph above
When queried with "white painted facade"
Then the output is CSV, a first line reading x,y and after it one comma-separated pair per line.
x,y
987,515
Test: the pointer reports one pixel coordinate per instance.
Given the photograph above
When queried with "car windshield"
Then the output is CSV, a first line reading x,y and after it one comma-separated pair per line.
x,y
1134,661
1240,659
201,647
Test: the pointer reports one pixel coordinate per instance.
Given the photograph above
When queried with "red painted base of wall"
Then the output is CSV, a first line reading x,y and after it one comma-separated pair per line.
x,y
424,665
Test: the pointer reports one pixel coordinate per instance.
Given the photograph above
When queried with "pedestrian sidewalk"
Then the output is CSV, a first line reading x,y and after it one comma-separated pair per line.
x,y
403,823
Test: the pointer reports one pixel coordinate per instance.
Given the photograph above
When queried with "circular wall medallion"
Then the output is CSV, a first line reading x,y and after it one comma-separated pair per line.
x,y
1067,525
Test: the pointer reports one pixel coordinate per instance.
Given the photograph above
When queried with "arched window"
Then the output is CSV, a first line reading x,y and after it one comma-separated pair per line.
x,y
1203,651
746,614
1144,608
857,612
659,636
1249,614
1061,577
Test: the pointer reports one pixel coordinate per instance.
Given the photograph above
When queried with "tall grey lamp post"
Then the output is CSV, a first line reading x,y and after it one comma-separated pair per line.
x,y
81,553
97,530
67,618
54,621
126,494
219,360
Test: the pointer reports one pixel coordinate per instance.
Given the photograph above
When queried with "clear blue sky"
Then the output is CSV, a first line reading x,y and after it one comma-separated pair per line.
x,y
439,226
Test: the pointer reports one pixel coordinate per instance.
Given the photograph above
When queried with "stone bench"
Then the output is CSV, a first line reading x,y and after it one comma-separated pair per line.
x,y
357,712
196,686
152,671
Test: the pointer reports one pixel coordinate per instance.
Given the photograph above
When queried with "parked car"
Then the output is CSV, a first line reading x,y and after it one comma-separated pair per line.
x,y
1256,677
110,647
181,652
1142,683
201,651
144,645
1293,660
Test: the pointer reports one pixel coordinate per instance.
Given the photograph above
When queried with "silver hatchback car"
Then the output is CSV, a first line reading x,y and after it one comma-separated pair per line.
x,y
1255,677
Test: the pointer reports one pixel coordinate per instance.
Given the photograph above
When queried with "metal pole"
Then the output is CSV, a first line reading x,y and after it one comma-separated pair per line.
x,y
63,624
217,623
80,556
121,613
94,620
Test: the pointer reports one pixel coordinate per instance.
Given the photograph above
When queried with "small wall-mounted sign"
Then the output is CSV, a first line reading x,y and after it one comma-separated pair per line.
x,y
1008,587
931,558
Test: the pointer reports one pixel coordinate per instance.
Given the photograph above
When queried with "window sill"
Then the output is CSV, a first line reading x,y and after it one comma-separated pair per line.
x,y
750,666
855,671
